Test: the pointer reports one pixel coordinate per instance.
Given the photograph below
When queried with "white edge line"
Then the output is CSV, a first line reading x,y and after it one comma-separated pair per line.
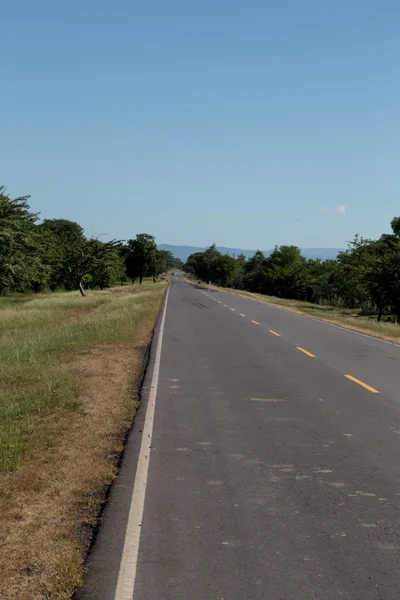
x,y
371,337
129,559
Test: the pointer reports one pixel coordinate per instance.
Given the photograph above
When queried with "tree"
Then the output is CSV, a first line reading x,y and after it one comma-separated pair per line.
x,y
211,255
211,265
349,278
85,257
141,257
51,255
177,263
395,225
67,231
238,278
75,260
319,286
255,273
165,261
202,264
195,265
377,276
60,236
20,246
224,270
383,273
107,271
123,253
287,273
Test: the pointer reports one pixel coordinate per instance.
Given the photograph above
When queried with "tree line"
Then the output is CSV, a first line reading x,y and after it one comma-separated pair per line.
x,y
366,276
56,254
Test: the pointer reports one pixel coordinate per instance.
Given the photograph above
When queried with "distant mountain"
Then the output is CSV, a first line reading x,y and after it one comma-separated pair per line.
x,y
183,252
321,253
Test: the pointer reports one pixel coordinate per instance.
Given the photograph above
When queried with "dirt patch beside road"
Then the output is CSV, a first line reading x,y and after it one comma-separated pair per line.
x,y
49,505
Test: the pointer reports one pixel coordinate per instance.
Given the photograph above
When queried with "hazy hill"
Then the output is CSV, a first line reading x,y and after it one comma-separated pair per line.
x,y
183,252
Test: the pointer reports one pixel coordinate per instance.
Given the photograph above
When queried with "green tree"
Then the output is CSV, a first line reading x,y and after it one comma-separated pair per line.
x,y
21,249
287,273
165,261
395,225
195,265
212,265
223,270
378,277
349,279
67,231
255,273
177,263
106,272
84,258
238,278
319,286
60,237
141,258
383,273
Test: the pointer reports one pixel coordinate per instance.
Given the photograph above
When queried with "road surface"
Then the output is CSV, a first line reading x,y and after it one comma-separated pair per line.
x,y
273,472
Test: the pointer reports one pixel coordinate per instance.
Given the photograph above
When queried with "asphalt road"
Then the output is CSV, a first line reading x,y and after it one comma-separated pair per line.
x,y
272,475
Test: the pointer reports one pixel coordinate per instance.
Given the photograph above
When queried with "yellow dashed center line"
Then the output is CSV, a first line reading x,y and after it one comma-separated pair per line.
x,y
305,352
364,385
361,383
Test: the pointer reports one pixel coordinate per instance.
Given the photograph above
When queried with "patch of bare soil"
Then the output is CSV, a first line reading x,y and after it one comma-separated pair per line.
x,y
49,507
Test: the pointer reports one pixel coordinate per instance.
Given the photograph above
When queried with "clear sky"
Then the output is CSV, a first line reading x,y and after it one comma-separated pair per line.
x,y
248,123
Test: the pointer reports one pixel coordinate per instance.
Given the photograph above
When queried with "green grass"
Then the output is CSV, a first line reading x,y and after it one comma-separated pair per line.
x,y
38,336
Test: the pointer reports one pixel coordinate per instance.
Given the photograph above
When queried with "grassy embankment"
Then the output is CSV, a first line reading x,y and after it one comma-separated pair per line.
x,y
69,371
345,317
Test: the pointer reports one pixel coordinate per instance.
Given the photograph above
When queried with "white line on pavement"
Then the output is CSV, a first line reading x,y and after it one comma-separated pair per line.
x,y
128,565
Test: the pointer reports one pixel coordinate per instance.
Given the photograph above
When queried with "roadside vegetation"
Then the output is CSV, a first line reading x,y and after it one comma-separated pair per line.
x,y
38,336
76,320
361,286
71,368
55,254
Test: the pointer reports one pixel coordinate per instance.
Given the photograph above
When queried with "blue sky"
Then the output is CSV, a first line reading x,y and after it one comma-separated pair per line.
x,y
245,123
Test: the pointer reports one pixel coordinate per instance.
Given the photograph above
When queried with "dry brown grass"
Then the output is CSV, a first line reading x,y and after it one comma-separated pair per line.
x,y
50,505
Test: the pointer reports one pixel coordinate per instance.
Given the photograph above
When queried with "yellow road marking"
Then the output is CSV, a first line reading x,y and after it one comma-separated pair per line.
x,y
255,322
274,333
364,385
305,352
233,309
242,315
